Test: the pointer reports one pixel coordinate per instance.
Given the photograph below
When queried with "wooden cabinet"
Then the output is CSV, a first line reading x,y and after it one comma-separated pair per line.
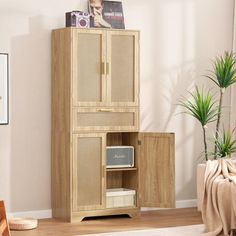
x,y
95,105
105,67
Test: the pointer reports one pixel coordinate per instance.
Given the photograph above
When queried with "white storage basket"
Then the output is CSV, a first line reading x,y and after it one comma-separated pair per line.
x,y
120,197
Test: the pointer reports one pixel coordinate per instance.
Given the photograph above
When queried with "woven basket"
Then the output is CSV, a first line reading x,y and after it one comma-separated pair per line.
x,y
22,223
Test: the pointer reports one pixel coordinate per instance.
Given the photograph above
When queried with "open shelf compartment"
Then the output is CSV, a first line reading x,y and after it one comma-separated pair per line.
x,y
119,179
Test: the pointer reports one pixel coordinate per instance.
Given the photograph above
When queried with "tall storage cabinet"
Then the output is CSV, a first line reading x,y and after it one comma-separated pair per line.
x,y
95,104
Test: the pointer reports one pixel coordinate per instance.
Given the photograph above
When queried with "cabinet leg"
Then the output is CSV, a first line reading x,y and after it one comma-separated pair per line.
x,y
134,214
77,219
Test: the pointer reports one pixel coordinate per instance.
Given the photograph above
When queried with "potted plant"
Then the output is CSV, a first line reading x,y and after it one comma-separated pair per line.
x,y
202,106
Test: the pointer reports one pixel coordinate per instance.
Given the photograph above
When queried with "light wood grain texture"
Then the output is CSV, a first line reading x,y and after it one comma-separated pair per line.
x,y
114,139
114,179
88,171
130,211
146,220
157,172
100,119
130,181
61,121
131,139
4,227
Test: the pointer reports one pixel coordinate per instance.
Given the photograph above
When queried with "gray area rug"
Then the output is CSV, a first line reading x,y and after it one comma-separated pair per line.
x,y
191,230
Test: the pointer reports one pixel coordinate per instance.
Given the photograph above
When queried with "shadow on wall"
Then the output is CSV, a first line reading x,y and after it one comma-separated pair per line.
x,y
184,41
173,72
188,134
31,117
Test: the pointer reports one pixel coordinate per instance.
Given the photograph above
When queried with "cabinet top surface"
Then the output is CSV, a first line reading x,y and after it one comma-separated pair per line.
x,y
93,29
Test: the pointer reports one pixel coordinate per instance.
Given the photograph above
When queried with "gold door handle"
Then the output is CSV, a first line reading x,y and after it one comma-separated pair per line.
x,y
105,110
103,68
107,68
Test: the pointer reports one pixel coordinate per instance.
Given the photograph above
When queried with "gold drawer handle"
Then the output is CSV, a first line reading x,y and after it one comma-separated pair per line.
x,y
105,110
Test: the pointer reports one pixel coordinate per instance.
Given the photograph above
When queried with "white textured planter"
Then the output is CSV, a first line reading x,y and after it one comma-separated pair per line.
x,y
200,182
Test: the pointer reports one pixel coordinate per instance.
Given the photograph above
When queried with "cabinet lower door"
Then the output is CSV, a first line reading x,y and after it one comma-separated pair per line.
x,y
157,170
88,172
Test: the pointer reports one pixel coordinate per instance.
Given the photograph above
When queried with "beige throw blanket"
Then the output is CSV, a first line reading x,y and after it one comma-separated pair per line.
x,y
219,198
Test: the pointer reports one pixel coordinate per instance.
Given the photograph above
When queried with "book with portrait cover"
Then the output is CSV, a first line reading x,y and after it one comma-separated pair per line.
x,y
113,14
106,14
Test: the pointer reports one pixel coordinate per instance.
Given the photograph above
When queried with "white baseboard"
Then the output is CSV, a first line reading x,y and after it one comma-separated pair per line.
x,y
43,214
179,204
186,203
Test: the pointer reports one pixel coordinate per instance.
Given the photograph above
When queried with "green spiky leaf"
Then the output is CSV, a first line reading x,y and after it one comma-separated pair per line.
x,y
225,144
224,70
201,106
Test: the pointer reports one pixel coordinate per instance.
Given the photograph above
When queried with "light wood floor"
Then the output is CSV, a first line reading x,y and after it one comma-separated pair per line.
x,y
147,220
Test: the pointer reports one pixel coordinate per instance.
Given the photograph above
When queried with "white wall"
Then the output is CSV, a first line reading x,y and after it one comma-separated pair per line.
x,y
178,39
233,89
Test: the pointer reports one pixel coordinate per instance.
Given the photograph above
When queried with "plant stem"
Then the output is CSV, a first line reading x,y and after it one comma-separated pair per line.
x,y
205,143
218,119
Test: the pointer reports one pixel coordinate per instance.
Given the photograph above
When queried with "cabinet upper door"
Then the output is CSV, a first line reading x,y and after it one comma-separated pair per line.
x,y
157,170
88,172
88,64
122,68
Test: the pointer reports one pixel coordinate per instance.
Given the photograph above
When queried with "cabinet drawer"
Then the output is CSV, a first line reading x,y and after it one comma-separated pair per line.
x,y
112,119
